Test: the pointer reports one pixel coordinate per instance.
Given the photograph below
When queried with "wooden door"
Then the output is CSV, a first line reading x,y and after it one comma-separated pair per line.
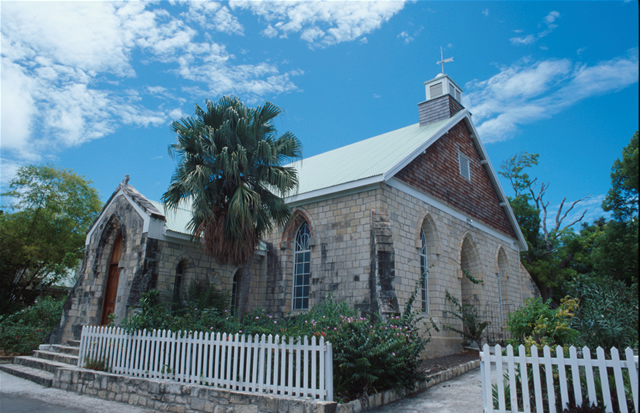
x,y
111,292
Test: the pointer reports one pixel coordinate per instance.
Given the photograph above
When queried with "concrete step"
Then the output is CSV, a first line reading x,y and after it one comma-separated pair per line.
x,y
43,378
73,343
41,364
59,348
55,356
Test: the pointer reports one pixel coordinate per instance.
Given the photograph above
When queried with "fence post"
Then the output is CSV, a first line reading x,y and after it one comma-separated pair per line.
x,y
328,372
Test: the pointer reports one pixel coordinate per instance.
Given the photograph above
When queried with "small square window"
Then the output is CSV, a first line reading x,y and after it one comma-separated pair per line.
x,y
465,170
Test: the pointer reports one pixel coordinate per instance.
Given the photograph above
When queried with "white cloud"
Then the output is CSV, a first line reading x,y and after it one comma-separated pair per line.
x,y
405,37
67,69
485,12
527,92
580,50
322,23
213,16
532,38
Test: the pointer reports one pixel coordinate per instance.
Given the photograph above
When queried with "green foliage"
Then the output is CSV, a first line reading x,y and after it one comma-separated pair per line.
x,y
538,324
622,198
42,232
370,354
550,251
608,312
514,170
97,365
472,326
23,331
230,167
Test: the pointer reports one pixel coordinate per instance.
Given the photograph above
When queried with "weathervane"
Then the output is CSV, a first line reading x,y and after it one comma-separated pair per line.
x,y
443,60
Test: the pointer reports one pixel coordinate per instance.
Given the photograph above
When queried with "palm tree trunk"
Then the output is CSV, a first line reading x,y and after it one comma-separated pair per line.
x,y
244,281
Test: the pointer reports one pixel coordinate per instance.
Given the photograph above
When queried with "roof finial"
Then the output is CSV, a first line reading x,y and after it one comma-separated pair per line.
x,y
126,180
443,60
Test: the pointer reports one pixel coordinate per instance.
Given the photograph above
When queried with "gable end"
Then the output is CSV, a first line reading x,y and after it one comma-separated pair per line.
x,y
436,173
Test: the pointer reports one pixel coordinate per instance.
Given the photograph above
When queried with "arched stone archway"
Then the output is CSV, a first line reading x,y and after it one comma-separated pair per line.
x,y
470,262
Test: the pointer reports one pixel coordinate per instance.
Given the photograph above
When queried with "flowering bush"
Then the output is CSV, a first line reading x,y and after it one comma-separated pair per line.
x,y
24,331
370,353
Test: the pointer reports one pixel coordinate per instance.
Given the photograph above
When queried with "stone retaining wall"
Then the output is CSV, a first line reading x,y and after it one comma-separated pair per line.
x,y
170,396
390,396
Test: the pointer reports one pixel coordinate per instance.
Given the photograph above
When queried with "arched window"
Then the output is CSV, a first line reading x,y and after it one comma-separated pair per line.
x,y
423,270
177,285
301,268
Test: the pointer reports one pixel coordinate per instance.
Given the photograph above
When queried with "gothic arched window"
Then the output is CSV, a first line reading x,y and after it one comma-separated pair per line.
x,y
301,268
423,270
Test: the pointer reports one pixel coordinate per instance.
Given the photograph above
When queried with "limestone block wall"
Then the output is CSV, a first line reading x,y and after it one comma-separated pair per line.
x,y
455,242
196,266
340,253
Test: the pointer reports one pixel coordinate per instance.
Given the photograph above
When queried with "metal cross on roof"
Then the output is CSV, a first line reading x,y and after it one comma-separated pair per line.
x,y
443,60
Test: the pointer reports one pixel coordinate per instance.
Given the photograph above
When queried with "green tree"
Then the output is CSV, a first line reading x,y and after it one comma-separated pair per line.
x,y
42,231
622,198
231,171
615,252
551,248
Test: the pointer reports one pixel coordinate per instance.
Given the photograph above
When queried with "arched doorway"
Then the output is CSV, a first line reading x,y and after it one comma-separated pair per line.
x,y
111,291
470,263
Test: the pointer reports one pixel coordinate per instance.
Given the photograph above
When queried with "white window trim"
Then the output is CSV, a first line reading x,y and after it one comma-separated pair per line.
x,y
295,253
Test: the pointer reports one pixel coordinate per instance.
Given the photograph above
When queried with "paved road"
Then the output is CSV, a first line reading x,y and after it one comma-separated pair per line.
x,y
23,396
460,395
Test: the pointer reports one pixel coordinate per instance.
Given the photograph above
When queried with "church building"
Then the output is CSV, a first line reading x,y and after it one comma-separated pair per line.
x,y
368,219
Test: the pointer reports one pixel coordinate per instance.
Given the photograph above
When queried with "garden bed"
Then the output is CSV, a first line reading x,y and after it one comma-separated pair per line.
x,y
435,365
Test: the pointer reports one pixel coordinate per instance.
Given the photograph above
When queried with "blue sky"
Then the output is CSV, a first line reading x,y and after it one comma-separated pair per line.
x,y
94,86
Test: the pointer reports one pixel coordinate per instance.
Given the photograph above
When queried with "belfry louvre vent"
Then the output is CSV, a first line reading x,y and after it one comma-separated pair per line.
x,y
435,90
464,166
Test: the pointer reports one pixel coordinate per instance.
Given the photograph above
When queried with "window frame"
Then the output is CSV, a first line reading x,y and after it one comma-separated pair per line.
x,y
424,288
301,260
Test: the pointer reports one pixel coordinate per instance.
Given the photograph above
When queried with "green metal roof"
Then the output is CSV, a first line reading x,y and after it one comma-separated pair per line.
x,y
176,220
365,159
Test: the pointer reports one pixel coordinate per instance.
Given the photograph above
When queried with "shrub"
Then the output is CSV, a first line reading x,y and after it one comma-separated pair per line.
x,y
369,353
472,326
24,331
608,313
536,323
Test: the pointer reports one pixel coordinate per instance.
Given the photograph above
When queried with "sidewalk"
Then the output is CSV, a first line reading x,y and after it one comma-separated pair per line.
x,y
460,395
19,395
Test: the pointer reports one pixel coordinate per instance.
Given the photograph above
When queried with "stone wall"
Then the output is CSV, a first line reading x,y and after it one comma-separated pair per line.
x,y
340,254
454,240
348,251
168,396
84,304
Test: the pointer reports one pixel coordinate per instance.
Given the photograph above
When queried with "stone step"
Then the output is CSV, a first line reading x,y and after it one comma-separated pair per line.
x,y
55,356
73,343
59,348
44,378
41,364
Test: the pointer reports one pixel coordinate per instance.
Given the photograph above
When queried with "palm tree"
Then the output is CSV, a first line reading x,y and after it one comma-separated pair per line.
x,y
230,169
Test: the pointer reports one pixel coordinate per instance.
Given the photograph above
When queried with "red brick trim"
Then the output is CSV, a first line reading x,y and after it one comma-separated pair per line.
x,y
289,233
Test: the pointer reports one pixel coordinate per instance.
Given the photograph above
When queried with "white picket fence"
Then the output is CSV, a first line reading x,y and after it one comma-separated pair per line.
x,y
266,365
553,368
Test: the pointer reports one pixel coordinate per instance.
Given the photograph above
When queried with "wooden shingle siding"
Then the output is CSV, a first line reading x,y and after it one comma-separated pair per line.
x,y
436,173
437,109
